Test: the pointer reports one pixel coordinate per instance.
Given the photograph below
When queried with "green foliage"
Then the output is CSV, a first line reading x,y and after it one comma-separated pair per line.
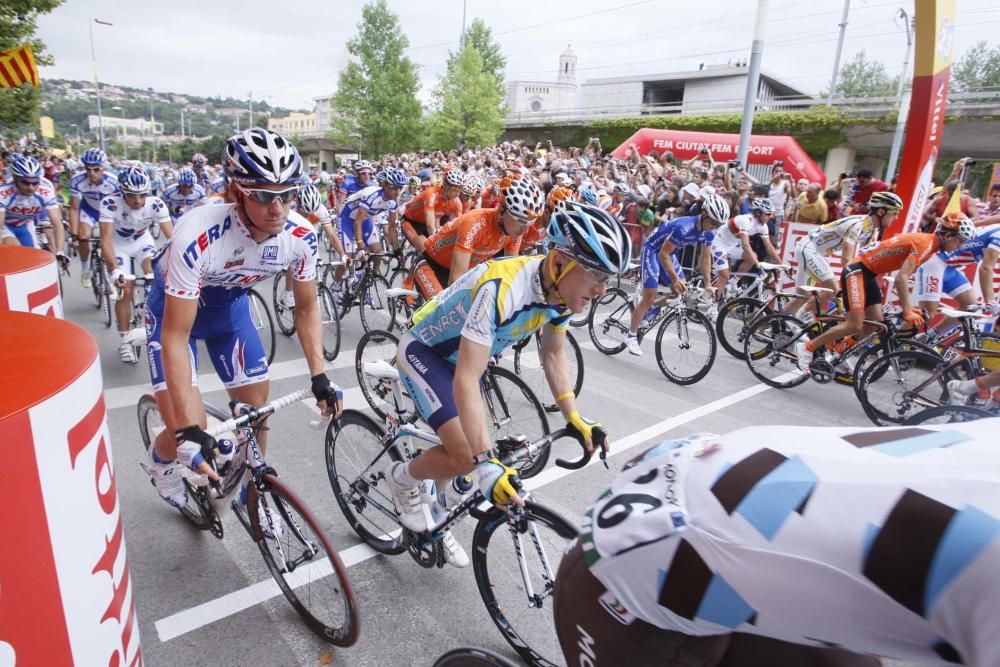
x,y
861,77
376,94
18,23
478,34
979,69
469,104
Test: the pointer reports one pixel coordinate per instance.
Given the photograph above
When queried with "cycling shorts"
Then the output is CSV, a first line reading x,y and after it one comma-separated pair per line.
x,y
935,276
860,288
87,218
428,379
25,234
231,338
652,272
594,628
812,263
430,277
126,250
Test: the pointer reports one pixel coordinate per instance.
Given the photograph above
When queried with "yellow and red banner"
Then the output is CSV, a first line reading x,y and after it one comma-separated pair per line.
x,y
17,67
935,27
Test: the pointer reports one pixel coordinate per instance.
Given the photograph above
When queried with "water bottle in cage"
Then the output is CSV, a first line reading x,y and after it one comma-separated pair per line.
x,y
450,495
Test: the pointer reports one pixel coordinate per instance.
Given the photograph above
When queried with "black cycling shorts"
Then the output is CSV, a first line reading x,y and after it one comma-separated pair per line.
x,y
860,288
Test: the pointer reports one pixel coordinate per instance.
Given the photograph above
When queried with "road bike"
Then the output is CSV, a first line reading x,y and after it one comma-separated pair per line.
x,y
329,314
136,332
291,541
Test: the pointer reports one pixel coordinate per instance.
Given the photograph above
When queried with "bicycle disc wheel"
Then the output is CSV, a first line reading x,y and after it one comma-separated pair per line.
x,y
685,346
329,321
357,468
501,559
513,409
528,365
373,346
150,426
378,311
733,324
610,317
282,313
948,414
263,323
304,565
770,350
900,384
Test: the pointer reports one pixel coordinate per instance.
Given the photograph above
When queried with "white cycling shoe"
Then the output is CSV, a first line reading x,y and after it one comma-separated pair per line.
x,y
632,345
406,500
126,353
802,355
289,299
168,480
453,551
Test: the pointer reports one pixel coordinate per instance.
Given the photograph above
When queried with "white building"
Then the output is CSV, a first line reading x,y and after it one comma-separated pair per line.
x,y
295,124
140,126
711,89
527,100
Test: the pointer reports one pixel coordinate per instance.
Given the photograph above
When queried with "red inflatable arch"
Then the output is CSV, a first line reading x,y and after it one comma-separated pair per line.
x,y
764,150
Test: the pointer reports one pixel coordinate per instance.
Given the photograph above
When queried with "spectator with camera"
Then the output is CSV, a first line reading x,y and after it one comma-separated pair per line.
x,y
862,188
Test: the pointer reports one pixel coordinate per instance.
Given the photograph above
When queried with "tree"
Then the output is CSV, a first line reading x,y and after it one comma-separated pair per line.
x,y
469,104
18,23
479,35
861,77
979,69
376,94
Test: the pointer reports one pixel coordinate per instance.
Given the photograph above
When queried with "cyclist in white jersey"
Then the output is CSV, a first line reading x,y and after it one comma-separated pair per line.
x,y
202,276
86,191
731,243
183,195
125,222
310,206
790,545
29,200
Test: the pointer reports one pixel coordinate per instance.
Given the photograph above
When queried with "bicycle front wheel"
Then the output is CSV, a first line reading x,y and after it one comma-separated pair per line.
x,y
304,565
515,568
378,311
733,324
770,350
263,323
898,385
513,409
610,317
282,313
685,346
329,321
528,365
107,310
948,414
376,346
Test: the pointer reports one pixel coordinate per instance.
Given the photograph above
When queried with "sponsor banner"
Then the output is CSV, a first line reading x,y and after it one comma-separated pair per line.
x,y
65,592
935,24
29,281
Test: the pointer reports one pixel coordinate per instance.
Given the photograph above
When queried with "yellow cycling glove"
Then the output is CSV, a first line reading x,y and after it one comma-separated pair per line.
x,y
583,425
498,483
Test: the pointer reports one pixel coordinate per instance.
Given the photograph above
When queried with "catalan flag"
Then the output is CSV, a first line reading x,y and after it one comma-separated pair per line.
x,y
955,203
17,67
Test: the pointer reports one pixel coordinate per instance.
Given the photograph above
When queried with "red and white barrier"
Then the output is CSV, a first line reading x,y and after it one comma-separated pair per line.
x,y
65,593
29,281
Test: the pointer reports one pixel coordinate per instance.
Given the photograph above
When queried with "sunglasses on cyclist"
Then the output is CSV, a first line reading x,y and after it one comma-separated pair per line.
x,y
267,197
598,277
25,181
93,168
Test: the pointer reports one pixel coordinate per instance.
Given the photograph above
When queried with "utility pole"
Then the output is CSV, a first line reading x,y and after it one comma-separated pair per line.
x,y
753,81
182,123
250,105
97,83
840,48
904,99
461,40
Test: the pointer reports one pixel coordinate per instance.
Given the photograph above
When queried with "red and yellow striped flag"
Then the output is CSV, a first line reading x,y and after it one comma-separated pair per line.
x,y
17,66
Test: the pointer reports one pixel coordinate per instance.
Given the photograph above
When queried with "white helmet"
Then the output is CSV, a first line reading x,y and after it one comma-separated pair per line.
x,y
522,199
473,185
716,208
261,157
310,199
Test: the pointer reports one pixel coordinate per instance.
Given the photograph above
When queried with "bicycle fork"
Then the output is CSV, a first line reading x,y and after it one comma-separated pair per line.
x,y
517,526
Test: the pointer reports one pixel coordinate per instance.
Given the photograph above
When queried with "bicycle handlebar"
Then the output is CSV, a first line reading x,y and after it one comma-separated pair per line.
x,y
254,414
600,439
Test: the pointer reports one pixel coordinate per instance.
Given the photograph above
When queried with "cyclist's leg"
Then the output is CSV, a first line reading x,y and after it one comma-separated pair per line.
x,y
595,629
85,232
373,240
416,237
125,251
166,444
928,285
652,275
861,293
427,275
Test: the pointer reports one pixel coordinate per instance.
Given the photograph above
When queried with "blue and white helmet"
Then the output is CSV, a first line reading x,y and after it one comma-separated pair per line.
x,y
93,156
133,181
25,166
588,196
309,199
261,157
591,236
394,176
362,165
186,176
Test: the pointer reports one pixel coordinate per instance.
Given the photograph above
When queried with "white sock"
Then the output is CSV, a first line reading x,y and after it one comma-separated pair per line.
x,y
401,474
631,334
122,334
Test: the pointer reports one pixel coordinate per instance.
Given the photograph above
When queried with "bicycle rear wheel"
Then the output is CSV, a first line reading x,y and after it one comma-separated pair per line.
x,y
522,610
378,311
528,365
472,657
685,346
304,565
513,409
329,321
373,346
898,385
770,350
282,313
948,414
610,317
263,322
733,324
357,467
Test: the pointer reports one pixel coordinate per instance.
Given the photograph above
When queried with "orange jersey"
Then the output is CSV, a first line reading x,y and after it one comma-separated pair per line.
x,y
431,199
477,232
890,254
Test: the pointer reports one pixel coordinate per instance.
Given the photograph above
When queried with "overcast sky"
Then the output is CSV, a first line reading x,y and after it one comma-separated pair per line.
x,y
293,51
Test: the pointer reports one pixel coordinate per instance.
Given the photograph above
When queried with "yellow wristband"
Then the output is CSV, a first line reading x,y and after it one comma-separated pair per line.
x,y
567,394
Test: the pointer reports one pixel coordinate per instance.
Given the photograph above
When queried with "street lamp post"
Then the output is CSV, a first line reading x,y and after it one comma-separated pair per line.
x,y
72,125
97,83
124,133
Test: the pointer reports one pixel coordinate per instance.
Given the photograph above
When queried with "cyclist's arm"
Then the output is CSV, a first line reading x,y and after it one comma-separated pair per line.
x,y
167,227
986,269
902,283
55,215
331,235
460,260
430,219
178,318
705,260
472,361
748,252
107,246
307,324
772,253
391,229
74,216
358,218
848,251
665,250
556,367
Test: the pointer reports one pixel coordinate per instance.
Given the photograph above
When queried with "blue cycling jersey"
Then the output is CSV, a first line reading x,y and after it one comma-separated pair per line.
x,y
372,200
680,232
972,252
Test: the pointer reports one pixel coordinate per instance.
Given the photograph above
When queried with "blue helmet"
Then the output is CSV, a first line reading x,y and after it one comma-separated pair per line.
x,y
261,157
588,196
93,156
25,166
133,181
198,160
186,177
394,176
591,236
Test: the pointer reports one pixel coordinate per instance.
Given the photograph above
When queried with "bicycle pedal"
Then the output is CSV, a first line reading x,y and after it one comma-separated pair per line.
x,y
822,371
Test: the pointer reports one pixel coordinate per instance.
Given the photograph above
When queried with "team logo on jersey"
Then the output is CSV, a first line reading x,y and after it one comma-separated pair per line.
x,y
206,238
270,252
616,608
235,262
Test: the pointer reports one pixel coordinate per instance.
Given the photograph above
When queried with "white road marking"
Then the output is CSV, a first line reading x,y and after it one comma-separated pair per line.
x,y
187,620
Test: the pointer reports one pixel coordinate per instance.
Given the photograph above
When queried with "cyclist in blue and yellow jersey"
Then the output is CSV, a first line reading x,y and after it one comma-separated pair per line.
x,y
444,355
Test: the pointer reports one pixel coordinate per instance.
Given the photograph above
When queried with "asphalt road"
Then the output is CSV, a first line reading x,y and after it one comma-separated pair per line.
x,y
198,598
